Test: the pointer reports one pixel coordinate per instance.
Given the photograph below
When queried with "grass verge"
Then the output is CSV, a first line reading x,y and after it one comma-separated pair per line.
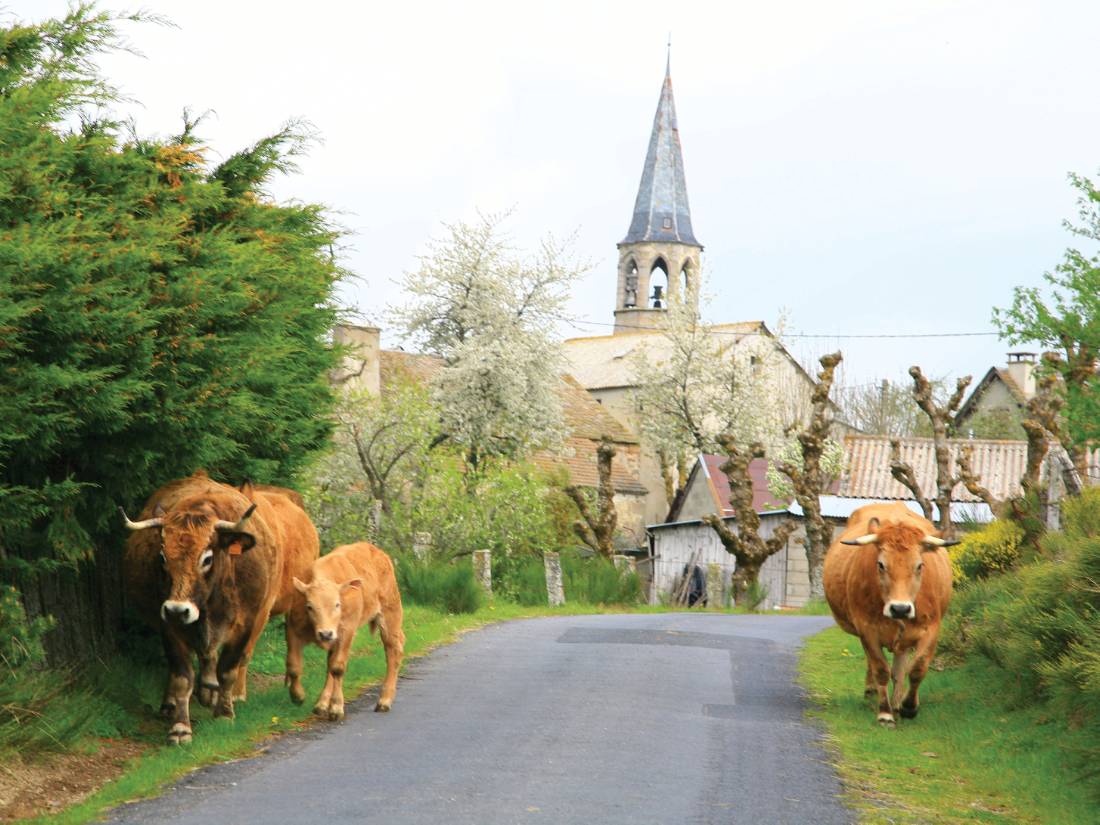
x,y
964,759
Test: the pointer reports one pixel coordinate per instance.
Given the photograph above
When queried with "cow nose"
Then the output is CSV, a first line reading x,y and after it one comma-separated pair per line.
x,y
326,635
900,610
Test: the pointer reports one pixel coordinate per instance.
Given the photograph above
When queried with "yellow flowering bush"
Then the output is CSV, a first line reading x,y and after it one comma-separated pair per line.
x,y
993,549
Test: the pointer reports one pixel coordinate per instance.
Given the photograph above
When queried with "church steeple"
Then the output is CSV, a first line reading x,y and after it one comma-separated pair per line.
x,y
661,211
659,257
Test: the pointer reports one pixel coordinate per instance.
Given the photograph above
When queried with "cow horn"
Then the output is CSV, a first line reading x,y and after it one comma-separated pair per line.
x,y
936,541
140,525
235,526
870,538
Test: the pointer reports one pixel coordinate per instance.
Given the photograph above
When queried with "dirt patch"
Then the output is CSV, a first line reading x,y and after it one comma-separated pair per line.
x,y
56,781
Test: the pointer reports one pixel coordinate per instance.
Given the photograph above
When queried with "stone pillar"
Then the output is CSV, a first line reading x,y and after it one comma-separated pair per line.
x,y
422,545
483,570
716,595
555,592
624,563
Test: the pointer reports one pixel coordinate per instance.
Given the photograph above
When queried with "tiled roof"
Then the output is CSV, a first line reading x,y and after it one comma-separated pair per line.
x,y
762,499
578,457
602,361
586,420
999,464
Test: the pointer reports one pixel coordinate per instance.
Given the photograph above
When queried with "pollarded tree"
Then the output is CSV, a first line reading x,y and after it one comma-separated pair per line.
x,y
697,385
490,313
596,528
1069,324
810,469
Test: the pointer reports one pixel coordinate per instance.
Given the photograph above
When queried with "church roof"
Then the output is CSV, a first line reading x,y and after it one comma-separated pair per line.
x,y
605,361
661,211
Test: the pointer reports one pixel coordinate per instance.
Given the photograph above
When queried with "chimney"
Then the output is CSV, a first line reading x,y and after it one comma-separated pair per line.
x,y
1021,369
361,368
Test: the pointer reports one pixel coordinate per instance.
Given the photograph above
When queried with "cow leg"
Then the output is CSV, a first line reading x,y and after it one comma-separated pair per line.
x,y
898,671
181,680
869,688
337,664
924,652
294,647
393,640
229,663
241,684
208,679
880,672
325,699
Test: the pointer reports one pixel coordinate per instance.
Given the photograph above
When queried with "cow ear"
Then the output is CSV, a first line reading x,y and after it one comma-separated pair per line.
x,y
247,490
235,543
300,585
353,584
872,525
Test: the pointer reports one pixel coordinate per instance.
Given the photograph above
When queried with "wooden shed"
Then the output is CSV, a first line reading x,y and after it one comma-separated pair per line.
x,y
679,543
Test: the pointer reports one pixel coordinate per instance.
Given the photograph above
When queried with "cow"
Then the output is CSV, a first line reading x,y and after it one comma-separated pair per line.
x,y
346,589
888,581
207,565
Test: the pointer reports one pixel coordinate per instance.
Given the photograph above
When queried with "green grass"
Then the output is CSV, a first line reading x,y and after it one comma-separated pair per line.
x,y
964,759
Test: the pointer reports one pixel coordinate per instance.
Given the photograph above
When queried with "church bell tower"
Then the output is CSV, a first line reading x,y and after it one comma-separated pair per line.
x,y
659,257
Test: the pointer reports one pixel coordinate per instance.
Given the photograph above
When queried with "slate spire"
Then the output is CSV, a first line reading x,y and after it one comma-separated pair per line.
x,y
661,211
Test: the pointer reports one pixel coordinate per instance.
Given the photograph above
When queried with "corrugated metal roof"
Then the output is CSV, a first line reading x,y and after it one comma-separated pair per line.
x,y
604,361
661,211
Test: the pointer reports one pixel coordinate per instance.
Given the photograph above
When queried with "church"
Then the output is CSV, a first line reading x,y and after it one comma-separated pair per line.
x,y
659,264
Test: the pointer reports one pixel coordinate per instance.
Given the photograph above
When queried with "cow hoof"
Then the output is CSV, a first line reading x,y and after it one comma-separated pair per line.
x,y
907,713
208,696
179,735
224,712
168,710
869,693
382,707
320,710
297,696
336,714
886,720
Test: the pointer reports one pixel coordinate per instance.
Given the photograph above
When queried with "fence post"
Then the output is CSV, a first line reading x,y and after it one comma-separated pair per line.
x,y
555,593
422,545
716,595
483,570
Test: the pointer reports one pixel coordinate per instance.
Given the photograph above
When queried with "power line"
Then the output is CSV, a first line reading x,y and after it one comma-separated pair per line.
x,y
827,336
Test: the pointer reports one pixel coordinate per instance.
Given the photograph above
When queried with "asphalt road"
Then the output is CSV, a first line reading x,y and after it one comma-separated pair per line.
x,y
661,718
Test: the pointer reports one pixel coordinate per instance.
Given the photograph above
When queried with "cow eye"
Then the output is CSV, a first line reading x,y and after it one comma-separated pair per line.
x,y
207,559
163,559
882,565
920,564
337,605
309,607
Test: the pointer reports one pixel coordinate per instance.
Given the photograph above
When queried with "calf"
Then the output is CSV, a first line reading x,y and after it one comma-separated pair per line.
x,y
351,586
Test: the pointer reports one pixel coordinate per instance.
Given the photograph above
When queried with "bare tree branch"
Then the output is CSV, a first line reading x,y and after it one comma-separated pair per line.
x,y
904,475
746,545
943,419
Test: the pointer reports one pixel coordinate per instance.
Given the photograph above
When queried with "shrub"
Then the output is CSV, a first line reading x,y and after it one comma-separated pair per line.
x,y
754,596
596,581
20,638
993,549
451,587
1041,623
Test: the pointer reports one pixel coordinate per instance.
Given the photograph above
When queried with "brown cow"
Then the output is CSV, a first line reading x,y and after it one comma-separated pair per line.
x,y
351,586
221,563
888,581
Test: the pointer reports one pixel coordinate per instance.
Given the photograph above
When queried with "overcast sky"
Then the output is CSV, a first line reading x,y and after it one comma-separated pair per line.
x,y
872,167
